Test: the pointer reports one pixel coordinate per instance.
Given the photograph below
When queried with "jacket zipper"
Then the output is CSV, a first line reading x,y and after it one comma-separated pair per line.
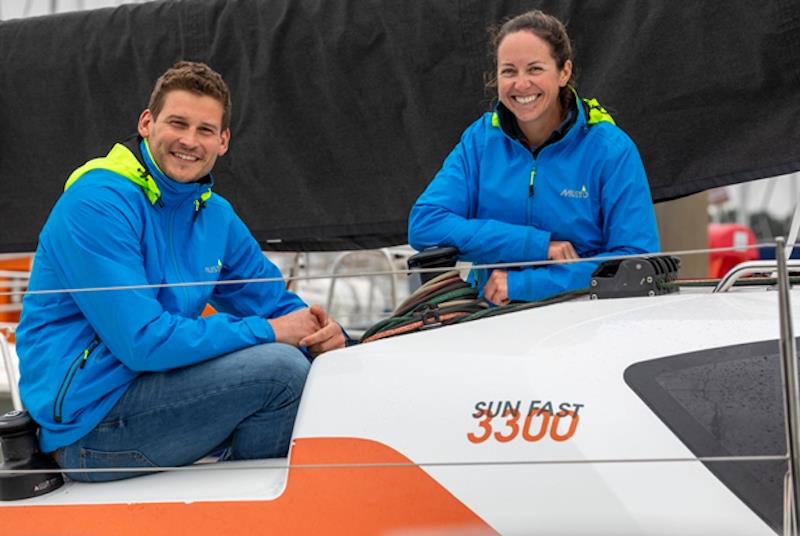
x,y
533,176
178,274
531,192
78,363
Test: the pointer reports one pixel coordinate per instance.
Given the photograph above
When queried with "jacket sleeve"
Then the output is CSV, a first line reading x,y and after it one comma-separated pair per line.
x,y
95,243
628,222
444,215
245,260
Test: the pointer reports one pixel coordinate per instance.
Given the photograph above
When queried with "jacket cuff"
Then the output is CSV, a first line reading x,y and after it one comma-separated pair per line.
x,y
526,284
516,285
537,243
261,329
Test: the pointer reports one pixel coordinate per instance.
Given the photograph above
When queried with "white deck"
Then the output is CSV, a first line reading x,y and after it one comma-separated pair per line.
x,y
227,481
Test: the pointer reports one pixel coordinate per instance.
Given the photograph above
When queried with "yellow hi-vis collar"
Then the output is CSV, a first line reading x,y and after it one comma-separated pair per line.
x,y
121,160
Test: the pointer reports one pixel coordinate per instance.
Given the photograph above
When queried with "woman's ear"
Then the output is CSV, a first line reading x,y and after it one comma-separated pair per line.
x,y
566,73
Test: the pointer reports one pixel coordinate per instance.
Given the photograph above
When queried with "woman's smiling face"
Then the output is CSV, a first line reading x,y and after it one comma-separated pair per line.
x,y
529,81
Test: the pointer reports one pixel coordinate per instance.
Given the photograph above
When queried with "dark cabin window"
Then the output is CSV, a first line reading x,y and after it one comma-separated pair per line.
x,y
725,402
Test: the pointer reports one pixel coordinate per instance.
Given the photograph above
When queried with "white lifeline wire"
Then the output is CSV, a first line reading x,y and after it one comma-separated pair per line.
x,y
251,467
284,279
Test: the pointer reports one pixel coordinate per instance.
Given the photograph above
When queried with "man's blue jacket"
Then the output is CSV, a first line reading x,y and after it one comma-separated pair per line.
x,y
79,351
499,202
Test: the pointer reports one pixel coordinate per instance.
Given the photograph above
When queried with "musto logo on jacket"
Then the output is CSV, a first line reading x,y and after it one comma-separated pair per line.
x,y
214,268
577,194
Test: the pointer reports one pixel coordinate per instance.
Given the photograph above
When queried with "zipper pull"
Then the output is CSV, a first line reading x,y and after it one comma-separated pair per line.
x,y
197,206
89,349
530,185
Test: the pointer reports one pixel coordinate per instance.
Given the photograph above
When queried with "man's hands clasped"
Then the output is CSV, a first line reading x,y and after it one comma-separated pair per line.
x,y
328,337
311,327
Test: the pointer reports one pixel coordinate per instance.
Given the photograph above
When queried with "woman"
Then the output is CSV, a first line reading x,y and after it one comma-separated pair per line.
x,y
546,175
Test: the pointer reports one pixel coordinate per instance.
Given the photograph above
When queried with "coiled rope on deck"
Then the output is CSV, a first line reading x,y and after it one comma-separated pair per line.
x,y
444,300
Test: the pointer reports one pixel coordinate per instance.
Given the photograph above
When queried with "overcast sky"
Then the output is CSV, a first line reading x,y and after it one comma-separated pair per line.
x,y
13,9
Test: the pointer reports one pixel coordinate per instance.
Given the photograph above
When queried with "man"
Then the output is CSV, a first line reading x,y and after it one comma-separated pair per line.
x,y
134,377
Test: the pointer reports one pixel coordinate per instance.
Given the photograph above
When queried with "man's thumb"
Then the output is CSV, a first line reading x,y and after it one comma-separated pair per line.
x,y
319,312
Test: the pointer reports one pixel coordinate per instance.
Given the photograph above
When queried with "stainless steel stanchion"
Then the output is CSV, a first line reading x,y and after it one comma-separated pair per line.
x,y
790,377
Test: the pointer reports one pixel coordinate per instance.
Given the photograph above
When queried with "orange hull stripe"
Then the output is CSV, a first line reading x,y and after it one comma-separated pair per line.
x,y
316,501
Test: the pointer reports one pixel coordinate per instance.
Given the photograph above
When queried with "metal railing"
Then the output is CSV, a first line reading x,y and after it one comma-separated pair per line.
x,y
791,384
7,328
754,267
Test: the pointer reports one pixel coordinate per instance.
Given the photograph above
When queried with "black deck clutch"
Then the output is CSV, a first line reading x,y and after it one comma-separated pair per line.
x,y
638,276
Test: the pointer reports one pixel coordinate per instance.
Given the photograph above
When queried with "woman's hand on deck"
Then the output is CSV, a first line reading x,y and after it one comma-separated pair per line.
x,y
561,250
496,289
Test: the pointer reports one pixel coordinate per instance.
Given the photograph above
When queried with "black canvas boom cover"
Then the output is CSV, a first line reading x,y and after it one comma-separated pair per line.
x,y
345,109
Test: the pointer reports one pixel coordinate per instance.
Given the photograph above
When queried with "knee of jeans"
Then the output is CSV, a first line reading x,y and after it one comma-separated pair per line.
x,y
282,362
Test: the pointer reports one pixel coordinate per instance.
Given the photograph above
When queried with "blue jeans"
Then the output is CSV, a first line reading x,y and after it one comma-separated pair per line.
x,y
246,400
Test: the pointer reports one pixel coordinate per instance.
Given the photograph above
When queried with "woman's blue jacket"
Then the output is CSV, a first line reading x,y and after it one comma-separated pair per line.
x,y
499,202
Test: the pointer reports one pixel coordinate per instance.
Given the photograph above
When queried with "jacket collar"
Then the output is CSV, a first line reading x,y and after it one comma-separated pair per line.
x,y
172,191
504,119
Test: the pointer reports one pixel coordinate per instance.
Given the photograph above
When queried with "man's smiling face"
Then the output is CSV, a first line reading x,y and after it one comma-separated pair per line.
x,y
186,137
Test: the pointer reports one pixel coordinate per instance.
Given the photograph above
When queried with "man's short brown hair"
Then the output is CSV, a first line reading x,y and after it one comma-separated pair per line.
x,y
197,78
